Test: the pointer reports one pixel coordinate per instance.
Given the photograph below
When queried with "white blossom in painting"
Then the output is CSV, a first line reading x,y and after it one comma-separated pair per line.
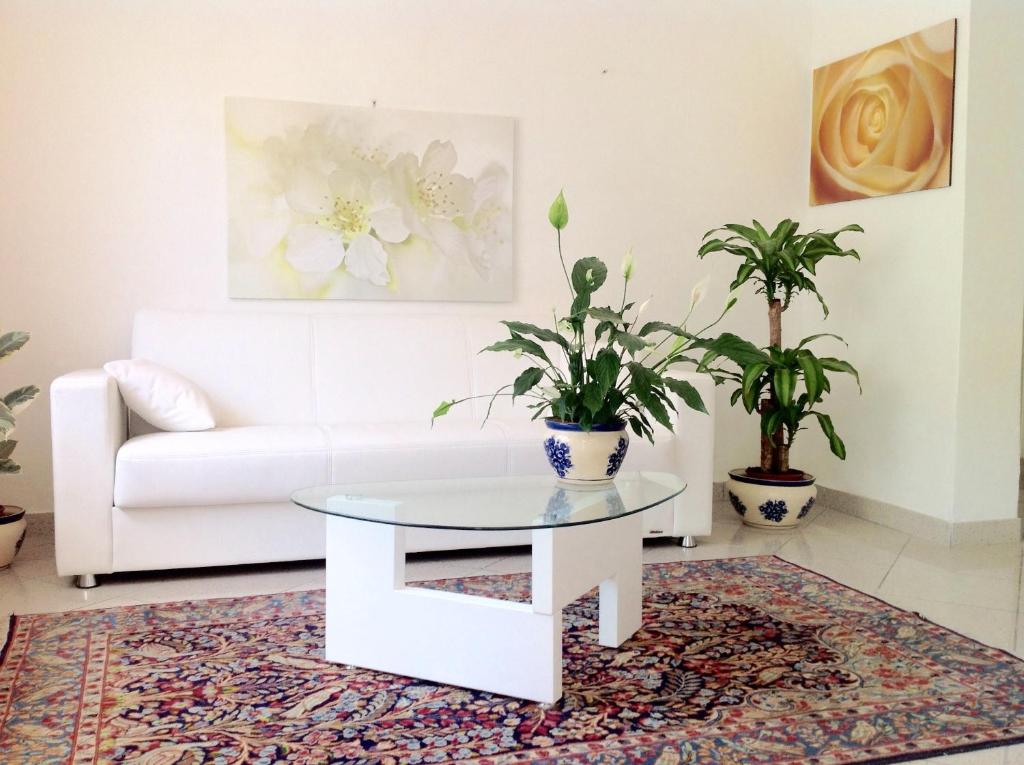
x,y
339,202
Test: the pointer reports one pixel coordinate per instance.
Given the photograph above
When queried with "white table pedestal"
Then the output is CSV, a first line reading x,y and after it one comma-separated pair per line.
x,y
375,621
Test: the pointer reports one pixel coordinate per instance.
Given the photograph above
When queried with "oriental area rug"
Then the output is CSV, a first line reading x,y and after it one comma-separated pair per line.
x,y
746,660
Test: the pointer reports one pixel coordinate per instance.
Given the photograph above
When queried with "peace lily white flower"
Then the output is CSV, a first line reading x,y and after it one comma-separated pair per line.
x,y
699,290
627,265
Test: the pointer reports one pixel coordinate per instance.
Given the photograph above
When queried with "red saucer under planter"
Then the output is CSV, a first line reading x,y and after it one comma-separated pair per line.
x,y
786,475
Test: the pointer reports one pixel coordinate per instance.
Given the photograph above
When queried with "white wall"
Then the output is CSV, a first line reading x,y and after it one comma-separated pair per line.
x,y
899,307
660,121
992,302
933,313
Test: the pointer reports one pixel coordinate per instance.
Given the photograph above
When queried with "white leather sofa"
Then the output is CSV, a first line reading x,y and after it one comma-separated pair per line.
x,y
303,400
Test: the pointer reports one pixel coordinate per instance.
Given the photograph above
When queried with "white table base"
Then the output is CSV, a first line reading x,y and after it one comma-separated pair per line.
x,y
375,621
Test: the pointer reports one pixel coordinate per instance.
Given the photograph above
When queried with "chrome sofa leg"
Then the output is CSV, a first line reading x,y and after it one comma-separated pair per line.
x,y
688,541
86,581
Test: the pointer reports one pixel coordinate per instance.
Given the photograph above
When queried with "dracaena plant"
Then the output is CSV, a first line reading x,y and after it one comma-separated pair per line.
x,y
12,402
785,386
598,364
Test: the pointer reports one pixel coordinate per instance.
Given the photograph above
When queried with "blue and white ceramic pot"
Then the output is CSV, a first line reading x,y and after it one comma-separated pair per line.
x,y
585,458
771,502
12,533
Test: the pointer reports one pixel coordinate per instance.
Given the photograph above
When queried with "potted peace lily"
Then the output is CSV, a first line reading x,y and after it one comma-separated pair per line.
x,y
12,519
597,371
785,387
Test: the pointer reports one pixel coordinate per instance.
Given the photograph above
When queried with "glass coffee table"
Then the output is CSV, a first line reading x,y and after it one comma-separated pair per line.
x,y
582,538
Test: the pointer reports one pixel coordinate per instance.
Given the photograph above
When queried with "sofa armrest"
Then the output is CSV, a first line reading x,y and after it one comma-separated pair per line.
x,y
88,424
695,459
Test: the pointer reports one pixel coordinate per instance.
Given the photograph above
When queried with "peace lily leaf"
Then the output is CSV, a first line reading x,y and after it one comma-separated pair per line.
x,y
606,367
588,274
593,397
521,344
631,343
589,388
605,314
686,391
442,409
526,380
547,335
660,326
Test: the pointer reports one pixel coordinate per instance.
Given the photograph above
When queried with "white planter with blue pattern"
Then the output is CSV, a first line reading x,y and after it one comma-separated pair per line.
x,y
769,503
585,458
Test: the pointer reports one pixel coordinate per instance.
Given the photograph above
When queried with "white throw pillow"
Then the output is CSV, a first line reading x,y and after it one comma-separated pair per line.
x,y
161,397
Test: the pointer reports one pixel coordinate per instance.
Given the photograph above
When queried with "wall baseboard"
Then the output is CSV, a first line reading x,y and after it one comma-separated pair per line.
x,y
911,522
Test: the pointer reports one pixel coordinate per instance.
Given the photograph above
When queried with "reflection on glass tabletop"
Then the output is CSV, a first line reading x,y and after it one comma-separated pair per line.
x,y
496,504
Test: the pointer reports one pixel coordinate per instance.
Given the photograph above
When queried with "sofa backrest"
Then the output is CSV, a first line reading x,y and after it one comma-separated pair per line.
x,y
266,369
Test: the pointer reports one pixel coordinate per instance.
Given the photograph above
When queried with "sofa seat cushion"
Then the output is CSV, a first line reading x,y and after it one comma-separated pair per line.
x,y
224,466
453,449
413,451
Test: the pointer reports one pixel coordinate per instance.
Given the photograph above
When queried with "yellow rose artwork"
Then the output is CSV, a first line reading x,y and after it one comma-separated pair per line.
x,y
882,120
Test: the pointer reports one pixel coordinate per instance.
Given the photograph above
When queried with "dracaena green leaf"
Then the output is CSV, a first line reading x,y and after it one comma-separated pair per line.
x,y
9,466
834,441
752,383
7,448
813,374
838,365
812,338
784,382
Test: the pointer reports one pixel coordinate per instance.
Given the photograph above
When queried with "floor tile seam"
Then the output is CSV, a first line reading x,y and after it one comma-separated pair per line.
x,y
1020,596
918,598
892,565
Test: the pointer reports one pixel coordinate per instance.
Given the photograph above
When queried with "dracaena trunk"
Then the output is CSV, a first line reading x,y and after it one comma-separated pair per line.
x,y
774,452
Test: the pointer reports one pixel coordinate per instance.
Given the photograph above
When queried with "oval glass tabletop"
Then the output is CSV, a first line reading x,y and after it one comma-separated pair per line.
x,y
492,504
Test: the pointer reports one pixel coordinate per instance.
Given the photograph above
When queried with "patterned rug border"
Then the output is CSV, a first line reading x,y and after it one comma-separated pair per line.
x,y
14,621
892,759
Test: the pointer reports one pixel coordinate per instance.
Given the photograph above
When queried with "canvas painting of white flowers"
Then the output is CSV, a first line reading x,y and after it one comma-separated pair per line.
x,y
336,202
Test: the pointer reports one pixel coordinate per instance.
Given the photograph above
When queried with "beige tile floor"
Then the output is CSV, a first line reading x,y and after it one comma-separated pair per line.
x,y
974,590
